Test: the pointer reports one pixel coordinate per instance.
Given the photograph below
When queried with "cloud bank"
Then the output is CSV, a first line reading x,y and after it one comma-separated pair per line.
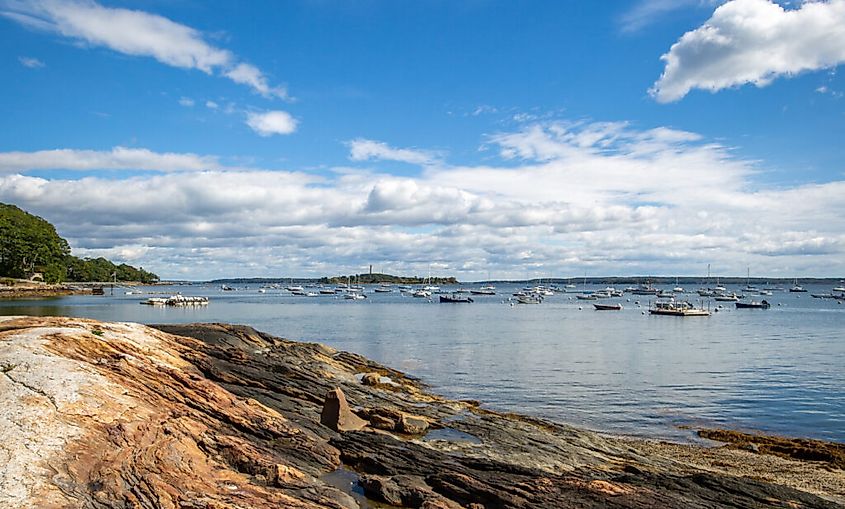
x,y
756,42
137,33
565,198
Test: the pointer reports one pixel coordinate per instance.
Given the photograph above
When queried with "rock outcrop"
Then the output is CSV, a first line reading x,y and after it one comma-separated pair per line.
x,y
103,415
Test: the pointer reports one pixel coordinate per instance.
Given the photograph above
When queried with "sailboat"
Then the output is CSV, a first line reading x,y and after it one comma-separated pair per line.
x,y
796,288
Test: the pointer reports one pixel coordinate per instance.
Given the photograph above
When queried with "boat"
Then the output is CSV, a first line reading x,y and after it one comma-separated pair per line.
x,y
678,288
295,288
727,297
529,299
455,298
586,296
763,304
796,288
354,296
381,289
840,289
176,300
484,290
665,294
312,294
676,308
328,291
645,289
608,307
421,294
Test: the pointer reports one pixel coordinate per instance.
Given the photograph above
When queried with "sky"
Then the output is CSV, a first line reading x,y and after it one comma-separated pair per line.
x,y
476,139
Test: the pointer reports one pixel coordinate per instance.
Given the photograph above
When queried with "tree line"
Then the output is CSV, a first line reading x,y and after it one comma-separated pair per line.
x,y
30,245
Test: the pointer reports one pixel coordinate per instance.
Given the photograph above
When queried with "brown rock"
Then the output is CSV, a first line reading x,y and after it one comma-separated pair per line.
x,y
371,379
381,488
382,422
412,424
337,415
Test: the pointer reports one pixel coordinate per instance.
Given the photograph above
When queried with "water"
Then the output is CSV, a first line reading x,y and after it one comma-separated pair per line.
x,y
780,370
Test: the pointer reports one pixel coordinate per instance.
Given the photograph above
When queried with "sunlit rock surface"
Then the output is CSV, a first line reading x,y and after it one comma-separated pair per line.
x,y
218,416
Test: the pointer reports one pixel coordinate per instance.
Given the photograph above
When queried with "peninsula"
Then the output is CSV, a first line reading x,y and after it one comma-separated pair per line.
x,y
96,414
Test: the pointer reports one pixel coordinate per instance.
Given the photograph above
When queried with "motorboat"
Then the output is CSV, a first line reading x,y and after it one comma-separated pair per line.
x,y
484,290
608,307
529,299
727,297
763,304
455,298
676,308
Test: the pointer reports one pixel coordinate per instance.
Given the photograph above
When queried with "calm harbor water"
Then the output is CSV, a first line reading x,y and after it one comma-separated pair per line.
x,y
780,370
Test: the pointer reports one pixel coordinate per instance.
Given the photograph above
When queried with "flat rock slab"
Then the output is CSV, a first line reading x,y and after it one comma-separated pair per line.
x,y
104,415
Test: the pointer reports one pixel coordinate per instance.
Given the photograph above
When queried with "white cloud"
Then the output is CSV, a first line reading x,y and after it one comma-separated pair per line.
x,y
362,149
186,101
646,12
32,63
119,158
603,197
211,105
138,33
250,75
753,41
269,123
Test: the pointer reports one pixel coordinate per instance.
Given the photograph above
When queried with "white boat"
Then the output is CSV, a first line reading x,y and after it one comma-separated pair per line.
x,y
422,294
529,299
295,288
354,296
839,289
676,308
382,289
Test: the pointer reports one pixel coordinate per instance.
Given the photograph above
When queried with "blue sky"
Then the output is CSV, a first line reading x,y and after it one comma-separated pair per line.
x,y
521,139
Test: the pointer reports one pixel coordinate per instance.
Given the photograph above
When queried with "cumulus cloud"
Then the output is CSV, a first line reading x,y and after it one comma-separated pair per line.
x,y
567,197
753,41
32,63
269,123
362,149
137,33
186,101
118,158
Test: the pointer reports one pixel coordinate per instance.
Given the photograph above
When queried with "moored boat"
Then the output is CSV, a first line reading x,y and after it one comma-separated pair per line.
x,y
676,308
764,304
608,307
455,298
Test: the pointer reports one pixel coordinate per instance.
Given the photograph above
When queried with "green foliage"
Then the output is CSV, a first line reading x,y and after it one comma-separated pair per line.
x,y
29,244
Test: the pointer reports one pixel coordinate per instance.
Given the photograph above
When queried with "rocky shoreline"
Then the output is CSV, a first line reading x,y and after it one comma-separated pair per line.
x,y
101,415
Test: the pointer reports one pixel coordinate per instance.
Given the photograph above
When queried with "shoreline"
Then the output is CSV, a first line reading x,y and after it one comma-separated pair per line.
x,y
104,413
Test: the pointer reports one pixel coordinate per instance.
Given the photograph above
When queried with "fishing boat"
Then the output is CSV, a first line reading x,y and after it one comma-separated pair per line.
x,y
529,299
608,307
455,298
676,308
586,296
646,289
763,304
